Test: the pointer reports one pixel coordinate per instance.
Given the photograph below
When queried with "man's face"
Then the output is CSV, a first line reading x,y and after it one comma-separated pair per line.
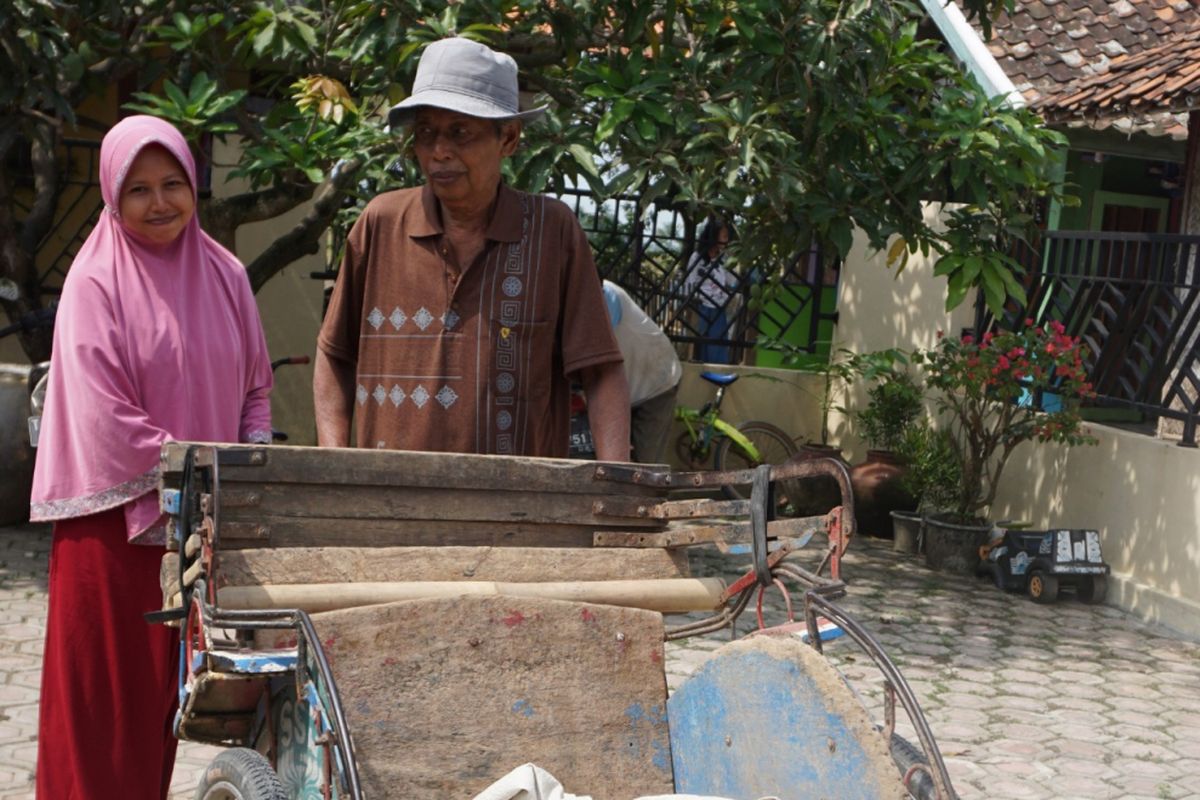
x,y
461,155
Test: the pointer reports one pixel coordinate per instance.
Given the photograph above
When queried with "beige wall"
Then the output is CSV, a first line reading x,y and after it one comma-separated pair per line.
x,y
290,305
879,309
1141,493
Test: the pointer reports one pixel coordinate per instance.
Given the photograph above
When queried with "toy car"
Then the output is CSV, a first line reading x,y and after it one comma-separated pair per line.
x,y
1041,562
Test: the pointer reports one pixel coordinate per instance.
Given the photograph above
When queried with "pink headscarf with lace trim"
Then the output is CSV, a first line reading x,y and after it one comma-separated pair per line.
x,y
151,342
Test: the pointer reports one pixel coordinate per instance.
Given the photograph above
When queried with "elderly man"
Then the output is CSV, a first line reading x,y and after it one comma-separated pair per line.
x,y
463,308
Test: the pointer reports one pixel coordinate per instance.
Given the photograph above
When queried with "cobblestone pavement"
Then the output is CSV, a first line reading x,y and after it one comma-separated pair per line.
x,y
1026,701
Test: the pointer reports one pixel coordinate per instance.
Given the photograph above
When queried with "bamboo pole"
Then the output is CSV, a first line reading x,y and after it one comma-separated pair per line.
x,y
668,596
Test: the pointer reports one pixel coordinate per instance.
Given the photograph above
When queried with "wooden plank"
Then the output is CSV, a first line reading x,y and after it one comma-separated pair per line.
x,y
418,503
666,596
446,696
268,530
354,467
524,564
769,716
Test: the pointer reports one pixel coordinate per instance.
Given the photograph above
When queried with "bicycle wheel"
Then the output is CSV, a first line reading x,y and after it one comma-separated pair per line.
x,y
773,445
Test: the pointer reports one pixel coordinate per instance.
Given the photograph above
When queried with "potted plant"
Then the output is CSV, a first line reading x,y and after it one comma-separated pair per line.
x,y
988,395
895,402
931,476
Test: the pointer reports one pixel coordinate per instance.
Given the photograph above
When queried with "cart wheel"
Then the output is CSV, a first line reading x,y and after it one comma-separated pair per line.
x,y
240,774
1043,587
1093,589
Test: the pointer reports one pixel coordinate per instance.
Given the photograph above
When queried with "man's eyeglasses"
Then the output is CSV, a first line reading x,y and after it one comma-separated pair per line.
x,y
457,135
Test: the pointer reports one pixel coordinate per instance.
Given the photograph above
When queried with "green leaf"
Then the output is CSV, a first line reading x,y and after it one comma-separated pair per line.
x,y
842,234
584,158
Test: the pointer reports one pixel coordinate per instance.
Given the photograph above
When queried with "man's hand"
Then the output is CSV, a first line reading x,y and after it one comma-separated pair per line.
x,y
608,409
333,400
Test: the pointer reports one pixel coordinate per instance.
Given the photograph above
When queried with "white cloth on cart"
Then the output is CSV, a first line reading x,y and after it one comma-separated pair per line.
x,y
531,782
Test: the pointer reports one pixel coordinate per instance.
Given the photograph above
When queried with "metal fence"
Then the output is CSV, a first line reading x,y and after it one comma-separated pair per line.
x,y
648,254
1133,299
79,205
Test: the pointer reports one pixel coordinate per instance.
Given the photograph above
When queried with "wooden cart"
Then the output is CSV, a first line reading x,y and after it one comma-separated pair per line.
x,y
372,624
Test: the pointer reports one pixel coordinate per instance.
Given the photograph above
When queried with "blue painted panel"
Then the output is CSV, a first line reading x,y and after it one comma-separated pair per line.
x,y
751,724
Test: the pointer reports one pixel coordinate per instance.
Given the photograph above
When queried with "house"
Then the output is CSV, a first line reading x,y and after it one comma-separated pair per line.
x,y
1118,78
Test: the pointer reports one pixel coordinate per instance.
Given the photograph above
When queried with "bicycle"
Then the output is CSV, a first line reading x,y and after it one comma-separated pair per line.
x,y
706,436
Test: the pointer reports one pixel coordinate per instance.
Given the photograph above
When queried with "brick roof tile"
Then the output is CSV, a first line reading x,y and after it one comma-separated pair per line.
x,y
1047,47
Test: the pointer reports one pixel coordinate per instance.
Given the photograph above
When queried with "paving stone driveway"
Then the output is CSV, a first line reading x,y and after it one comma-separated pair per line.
x,y
1026,701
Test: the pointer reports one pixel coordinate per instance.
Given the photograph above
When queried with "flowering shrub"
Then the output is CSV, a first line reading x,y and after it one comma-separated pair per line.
x,y
987,392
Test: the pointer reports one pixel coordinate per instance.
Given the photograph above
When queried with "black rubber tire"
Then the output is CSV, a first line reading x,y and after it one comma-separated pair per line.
x,y
997,570
772,443
240,774
1043,587
1093,589
905,754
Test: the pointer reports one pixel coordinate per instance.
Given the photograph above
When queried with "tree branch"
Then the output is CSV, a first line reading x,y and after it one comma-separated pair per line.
x,y
304,237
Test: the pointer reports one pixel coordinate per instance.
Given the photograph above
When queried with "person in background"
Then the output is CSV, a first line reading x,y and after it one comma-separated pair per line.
x,y
653,371
463,308
157,337
711,285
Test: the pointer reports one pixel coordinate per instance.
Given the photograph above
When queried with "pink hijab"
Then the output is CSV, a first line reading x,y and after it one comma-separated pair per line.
x,y
151,342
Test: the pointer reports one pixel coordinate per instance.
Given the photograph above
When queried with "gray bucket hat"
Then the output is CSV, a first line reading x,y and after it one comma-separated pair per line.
x,y
465,76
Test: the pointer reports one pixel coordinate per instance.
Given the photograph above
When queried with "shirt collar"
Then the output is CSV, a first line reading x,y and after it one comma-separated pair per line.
x,y
503,226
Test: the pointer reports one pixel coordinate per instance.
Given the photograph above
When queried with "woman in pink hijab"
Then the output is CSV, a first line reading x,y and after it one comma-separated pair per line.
x,y
157,337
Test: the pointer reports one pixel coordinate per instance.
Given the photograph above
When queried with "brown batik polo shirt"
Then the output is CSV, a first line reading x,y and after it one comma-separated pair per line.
x,y
476,363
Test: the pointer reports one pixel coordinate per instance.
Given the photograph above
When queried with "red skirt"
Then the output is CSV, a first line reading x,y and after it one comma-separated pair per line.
x,y
109,679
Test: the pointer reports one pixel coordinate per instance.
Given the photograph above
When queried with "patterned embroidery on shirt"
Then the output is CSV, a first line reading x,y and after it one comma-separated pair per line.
x,y
506,351
397,395
118,495
512,264
449,320
380,394
361,394
420,396
375,318
423,318
510,311
397,318
446,396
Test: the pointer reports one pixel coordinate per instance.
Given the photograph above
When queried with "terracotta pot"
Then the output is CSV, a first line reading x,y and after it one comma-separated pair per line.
x,y
16,456
877,492
954,547
908,527
815,496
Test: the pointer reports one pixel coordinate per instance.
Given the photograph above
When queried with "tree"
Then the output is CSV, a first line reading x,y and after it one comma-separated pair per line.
x,y
801,118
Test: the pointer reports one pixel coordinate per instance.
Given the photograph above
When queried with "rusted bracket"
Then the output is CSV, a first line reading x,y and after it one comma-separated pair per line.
x,y
619,473
649,508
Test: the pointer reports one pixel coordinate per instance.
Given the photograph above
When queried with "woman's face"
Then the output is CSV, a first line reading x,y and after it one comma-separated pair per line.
x,y
720,244
156,198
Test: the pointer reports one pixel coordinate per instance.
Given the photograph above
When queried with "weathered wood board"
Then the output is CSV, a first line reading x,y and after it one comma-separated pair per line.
x,y
307,496
444,697
341,564
355,467
769,716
